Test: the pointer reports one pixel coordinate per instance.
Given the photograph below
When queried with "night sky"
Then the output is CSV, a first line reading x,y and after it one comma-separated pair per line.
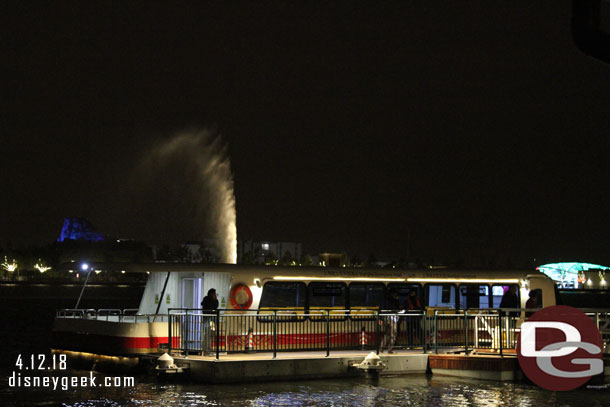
x,y
419,129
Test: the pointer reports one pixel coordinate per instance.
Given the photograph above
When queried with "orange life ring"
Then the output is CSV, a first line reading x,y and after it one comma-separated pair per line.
x,y
241,297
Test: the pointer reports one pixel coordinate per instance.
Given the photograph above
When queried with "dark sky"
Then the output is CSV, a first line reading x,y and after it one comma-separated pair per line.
x,y
458,129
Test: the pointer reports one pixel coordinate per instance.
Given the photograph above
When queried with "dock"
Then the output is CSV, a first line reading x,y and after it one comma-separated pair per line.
x,y
295,366
307,365
488,367
251,347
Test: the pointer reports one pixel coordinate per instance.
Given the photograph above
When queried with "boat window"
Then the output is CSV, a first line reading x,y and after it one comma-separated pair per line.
x,y
403,290
498,291
327,294
584,298
474,296
283,294
440,295
366,294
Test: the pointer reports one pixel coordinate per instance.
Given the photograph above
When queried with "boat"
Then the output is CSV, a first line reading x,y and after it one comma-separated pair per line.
x,y
350,297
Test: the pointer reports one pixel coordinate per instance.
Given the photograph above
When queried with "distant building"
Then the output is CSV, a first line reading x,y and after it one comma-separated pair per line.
x,y
266,252
333,259
79,229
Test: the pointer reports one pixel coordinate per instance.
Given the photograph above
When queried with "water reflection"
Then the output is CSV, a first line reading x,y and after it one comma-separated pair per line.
x,y
384,392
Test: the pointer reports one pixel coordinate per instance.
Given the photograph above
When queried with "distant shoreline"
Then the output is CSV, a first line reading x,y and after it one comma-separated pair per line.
x,y
97,292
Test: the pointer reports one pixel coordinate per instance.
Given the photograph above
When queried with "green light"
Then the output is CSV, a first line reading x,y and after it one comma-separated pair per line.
x,y
571,274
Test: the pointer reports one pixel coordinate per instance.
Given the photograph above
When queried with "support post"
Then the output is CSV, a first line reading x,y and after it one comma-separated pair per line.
x,y
217,334
435,332
83,289
423,334
500,330
327,333
185,335
274,334
465,332
377,344
169,334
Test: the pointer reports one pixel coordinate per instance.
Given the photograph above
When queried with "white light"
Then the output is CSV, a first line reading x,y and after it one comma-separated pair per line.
x,y
148,272
310,278
465,280
122,271
84,266
41,267
98,271
70,271
9,266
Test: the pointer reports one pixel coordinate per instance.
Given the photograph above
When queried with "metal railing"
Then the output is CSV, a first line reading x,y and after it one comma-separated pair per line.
x,y
477,330
194,331
111,315
215,332
601,319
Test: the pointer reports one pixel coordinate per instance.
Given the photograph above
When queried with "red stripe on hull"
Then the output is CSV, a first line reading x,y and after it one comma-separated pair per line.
x,y
235,342
117,345
108,345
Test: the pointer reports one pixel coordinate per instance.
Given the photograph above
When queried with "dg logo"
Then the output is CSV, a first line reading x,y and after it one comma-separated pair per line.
x,y
560,348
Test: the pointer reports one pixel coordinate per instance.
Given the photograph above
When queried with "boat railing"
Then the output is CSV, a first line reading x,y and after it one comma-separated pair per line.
x,y
439,330
487,330
111,315
273,330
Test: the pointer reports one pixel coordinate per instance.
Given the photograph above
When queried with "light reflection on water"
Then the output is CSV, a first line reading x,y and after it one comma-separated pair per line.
x,y
384,392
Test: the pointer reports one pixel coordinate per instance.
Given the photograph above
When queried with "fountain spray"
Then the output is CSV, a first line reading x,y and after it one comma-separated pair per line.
x,y
209,170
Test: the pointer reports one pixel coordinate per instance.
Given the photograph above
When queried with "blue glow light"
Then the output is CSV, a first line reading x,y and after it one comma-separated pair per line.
x,y
79,229
569,274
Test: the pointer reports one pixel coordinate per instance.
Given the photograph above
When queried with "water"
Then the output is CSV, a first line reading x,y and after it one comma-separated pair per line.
x,y
27,311
198,161
384,392
26,323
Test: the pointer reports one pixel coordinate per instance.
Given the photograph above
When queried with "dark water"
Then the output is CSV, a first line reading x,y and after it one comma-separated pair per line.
x,y
26,322
27,311
387,391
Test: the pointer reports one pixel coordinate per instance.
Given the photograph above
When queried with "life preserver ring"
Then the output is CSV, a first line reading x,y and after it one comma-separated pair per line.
x,y
241,297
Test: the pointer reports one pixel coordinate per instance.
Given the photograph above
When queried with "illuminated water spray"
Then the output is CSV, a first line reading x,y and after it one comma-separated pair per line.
x,y
208,170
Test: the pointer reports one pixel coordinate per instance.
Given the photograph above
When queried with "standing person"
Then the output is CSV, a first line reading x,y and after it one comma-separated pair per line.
x,y
532,302
390,322
510,300
413,305
210,301
209,305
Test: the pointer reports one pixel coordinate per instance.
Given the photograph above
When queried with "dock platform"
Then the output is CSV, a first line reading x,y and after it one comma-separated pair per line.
x,y
295,365
286,366
489,367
